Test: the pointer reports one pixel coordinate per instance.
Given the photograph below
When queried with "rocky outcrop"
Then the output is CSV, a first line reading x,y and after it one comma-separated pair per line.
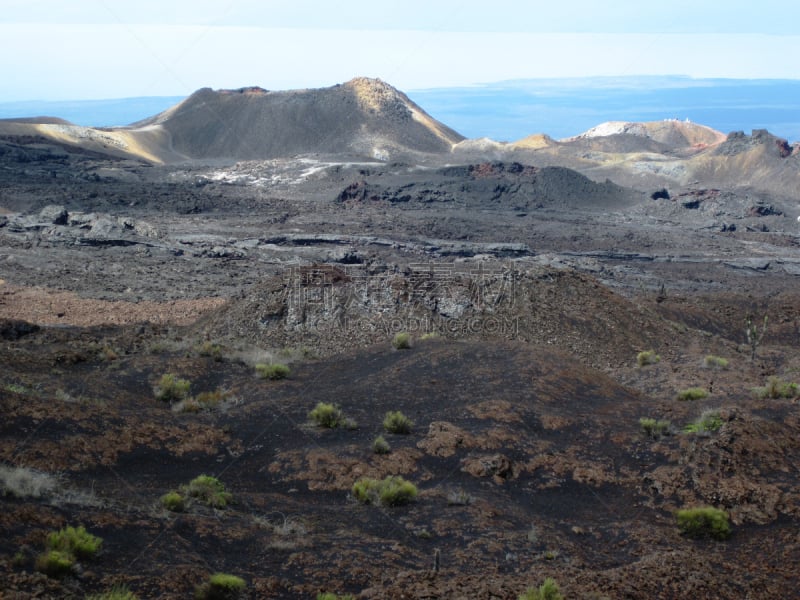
x,y
738,142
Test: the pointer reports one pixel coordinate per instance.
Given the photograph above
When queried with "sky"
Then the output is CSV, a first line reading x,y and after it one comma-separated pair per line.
x,y
92,49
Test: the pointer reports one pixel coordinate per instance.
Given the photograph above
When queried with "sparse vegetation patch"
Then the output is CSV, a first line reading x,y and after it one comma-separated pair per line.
x,y
211,350
116,593
173,501
704,521
22,482
272,371
459,498
55,563
208,490
715,362
391,491
381,446
64,547
221,586
655,428
396,422
327,415
647,357
777,388
402,341
709,421
76,541
693,393
549,590
172,389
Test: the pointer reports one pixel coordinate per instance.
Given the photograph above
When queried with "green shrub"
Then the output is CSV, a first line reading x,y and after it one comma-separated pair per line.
x,y
55,563
116,593
221,586
778,388
715,362
171,389
272,371
64,547
391,491
397,422
549,590
74,540
693,393
332,596
402,341
327,415
208,490
432,335
210,350
653,428
381,446
704,521
173,501
648,357
204,401
709,421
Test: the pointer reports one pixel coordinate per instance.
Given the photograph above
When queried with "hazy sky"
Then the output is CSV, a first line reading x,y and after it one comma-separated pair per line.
x,y
84,49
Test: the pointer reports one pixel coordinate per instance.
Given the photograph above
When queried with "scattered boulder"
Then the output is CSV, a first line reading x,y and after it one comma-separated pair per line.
x,y
54,214
497,466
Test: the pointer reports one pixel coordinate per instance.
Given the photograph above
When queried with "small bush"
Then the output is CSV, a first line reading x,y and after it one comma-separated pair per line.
x,y
332,596
704,521
402,341
381,446
208,490
55,563
709,421
64,547
549,590
648,357
221,586
459,498
116,593
272,371
654,429
204,401
777,388
693,393
715,362
397,422
432,335
327,415
22,482
211,350
171,389
391,491
173,501
74,540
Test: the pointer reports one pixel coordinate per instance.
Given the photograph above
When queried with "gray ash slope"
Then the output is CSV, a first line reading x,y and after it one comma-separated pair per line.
x,y
362,116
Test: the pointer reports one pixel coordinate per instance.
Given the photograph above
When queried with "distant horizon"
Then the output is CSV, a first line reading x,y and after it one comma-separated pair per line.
x,y
513,109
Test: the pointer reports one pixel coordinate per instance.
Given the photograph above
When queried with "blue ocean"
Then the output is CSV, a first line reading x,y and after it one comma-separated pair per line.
x,y
511,110
561,108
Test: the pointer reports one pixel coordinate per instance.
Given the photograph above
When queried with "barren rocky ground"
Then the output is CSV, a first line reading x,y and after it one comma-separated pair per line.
x,y
541,285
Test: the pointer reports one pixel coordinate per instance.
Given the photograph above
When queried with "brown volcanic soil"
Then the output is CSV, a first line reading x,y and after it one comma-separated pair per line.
x,y
561,480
